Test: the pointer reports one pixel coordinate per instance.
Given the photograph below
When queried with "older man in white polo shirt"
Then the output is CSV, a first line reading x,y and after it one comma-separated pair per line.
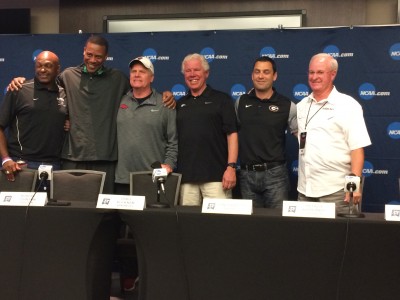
x,y
332,136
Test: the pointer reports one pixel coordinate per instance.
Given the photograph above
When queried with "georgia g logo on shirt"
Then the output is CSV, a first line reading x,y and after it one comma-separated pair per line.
x,y
273,108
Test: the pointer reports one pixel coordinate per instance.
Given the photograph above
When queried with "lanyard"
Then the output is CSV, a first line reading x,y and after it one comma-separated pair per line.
x,y
308,121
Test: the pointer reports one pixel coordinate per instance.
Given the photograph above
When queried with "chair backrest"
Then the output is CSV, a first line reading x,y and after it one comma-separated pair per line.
x,y
25,181
77,185
141,184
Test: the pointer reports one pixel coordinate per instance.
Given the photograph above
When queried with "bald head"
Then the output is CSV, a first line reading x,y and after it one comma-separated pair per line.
x,y
47,67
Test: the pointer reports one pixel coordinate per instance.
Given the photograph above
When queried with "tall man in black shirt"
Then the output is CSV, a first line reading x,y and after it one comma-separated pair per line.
x,y
263,117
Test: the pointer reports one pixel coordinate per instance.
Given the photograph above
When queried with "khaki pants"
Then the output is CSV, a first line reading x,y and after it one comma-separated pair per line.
x,y
193,193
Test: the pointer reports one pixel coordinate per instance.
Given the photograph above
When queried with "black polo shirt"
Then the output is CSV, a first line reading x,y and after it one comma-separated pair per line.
x,y
35,117
262,127
203,124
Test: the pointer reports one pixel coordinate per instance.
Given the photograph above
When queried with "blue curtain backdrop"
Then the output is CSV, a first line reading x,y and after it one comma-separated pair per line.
x,y
369,70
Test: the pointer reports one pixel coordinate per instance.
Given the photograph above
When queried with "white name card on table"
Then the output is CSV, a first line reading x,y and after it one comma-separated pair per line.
x,y
392,212
23,198
308,209
109,201
227,206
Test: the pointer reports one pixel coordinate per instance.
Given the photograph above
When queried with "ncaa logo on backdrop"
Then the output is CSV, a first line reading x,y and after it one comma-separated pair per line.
x,y
237,90
36,53
300,91
334,51
368,170
271,53
178,90
394,51
152,54
393,130
367,91
209,54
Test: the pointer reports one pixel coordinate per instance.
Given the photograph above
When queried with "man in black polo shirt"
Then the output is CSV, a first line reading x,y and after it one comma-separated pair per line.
x,y
35,117
263,117
207,137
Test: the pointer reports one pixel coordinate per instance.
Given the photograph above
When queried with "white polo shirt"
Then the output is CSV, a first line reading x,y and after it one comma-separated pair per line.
x,y
335,126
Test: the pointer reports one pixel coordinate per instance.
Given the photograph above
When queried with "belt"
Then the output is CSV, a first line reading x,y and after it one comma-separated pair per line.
x,y
261,167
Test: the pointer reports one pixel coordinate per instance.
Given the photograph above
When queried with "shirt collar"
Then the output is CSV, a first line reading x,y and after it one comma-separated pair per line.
x,y
151,100
252,93
41,86
98,72
205,93
331,98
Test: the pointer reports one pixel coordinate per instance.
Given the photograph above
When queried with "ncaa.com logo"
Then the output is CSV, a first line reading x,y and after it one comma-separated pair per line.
x,y
368,170
209,54
237,90
179,91
367,91
300,91
334,51
394,51
152,54
393,130
271,53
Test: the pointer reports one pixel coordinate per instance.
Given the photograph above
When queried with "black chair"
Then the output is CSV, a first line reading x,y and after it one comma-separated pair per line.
x,y
25,181
77,185
141,184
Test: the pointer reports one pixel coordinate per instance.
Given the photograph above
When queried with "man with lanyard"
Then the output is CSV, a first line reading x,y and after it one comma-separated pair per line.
x,y
263,117
332,137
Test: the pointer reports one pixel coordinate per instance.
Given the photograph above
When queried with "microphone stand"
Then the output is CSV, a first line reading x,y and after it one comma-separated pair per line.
x,y
159,204
351,206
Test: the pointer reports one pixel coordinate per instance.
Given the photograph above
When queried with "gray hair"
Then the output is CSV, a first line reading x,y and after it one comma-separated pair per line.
x,y
330,58
197,56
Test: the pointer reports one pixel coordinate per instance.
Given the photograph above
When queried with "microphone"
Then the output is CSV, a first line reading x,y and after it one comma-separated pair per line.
x,y
351,185
159,176
45,172
43,175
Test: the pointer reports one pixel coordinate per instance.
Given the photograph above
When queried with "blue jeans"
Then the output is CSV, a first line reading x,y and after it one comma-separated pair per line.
x,y
266,188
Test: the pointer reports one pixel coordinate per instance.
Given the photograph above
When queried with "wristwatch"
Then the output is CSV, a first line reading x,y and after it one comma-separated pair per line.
x,y
232,165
